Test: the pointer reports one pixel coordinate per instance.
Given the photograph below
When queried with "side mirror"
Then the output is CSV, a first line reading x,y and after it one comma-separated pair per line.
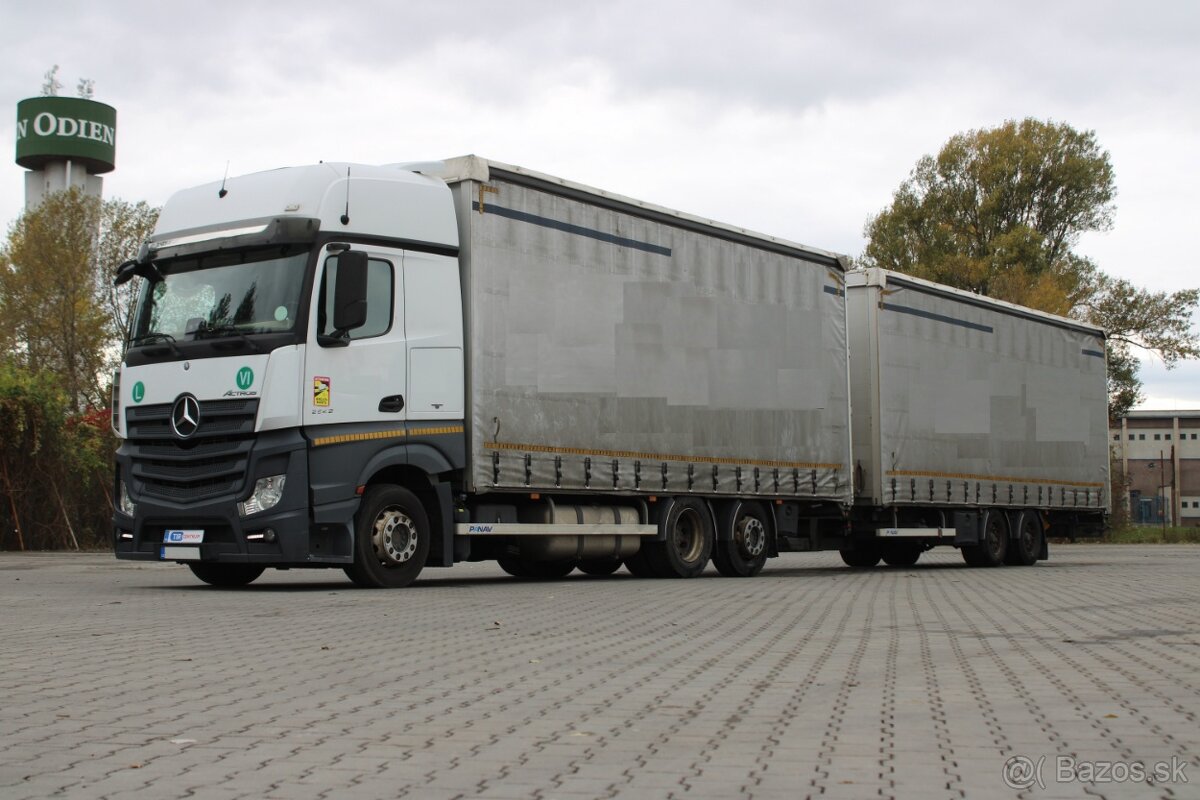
x,y
145,269
125,272
350,291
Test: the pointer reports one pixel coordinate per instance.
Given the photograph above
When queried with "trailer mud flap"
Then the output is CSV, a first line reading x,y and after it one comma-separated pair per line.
x,y
966,527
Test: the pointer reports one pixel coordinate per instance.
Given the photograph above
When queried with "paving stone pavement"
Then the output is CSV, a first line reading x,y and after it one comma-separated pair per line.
x,y
124,680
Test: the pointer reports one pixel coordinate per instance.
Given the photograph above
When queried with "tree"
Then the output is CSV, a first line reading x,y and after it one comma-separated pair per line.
x,y
124,226
63,316
64,324
55,466
998,211
52,316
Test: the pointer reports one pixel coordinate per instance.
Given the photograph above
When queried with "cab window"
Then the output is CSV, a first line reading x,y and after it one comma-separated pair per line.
x,y
380,299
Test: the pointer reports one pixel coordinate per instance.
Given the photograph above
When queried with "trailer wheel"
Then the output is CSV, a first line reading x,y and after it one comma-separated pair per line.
x,y
599,566
864,554
1023,551
391,538
689,541
741,549
992,547
227,575
902,554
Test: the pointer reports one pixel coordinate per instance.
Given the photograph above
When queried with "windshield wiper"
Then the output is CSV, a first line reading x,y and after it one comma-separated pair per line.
x,y
217,331
156,336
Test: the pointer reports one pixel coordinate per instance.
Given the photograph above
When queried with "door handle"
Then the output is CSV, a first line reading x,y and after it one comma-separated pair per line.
x,y
392,403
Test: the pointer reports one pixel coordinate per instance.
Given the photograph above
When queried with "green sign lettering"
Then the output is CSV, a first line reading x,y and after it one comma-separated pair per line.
x,y
245,378
51,128
139,392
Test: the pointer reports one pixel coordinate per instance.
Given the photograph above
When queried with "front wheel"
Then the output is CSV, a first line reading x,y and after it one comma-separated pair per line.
x,y
226,575
391,538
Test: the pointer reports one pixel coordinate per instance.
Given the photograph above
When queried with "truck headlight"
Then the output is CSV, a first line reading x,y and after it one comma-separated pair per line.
x,y
127,505
266,495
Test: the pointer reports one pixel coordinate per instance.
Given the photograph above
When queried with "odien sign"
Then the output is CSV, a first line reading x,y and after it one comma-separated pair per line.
x,y
62,128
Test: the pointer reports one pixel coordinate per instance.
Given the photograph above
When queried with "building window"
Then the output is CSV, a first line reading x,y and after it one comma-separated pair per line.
x,y
1157,436
1141,437
1167,436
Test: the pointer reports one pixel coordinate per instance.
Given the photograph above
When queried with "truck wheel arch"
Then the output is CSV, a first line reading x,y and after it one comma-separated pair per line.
x,y
435,497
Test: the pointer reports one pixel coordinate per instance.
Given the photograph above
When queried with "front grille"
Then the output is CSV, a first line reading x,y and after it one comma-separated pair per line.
x,y
210,463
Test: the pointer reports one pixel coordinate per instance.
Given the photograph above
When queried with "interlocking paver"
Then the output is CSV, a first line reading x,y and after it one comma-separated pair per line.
x,y
124,680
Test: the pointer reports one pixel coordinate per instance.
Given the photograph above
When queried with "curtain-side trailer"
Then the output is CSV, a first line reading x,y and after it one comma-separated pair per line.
x,y
977,423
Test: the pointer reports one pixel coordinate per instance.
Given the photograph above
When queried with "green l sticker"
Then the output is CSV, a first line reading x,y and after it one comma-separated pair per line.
x,y
139,392
245,378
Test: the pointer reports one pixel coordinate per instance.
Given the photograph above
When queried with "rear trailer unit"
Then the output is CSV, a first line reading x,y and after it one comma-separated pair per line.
x,y
976,423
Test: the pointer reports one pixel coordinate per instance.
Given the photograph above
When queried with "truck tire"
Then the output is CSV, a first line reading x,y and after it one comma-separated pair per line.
x,y
993,544
862,555
901,554
1026,546
391,538
227,575
740,550
599,566
689,541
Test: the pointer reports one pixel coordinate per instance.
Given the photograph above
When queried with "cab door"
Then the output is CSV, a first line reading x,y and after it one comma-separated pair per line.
x,y
364,381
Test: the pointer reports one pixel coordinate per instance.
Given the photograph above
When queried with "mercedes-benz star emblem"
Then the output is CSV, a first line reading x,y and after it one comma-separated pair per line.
x,y
185,416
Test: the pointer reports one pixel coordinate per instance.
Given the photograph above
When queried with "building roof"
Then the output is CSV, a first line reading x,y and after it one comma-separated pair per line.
x,y
1189,413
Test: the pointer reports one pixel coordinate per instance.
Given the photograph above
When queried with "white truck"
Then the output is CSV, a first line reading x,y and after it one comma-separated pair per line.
x,y
388,368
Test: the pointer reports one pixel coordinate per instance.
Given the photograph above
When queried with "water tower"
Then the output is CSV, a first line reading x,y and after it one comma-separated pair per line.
x,y
65,142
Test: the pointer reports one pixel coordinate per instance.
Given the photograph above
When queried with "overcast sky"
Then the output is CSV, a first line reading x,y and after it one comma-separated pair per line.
x,y
796,119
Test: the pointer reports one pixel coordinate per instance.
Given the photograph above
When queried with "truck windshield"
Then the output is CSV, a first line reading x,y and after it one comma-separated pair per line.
x,y
222,294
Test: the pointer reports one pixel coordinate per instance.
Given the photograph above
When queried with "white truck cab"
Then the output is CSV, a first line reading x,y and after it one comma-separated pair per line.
x,y
240,372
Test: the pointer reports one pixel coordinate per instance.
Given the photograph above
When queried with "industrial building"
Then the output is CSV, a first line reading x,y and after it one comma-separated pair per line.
x,y
1158,453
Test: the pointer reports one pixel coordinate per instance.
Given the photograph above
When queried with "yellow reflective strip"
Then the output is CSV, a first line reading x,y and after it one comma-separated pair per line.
x,y
993,478
344,438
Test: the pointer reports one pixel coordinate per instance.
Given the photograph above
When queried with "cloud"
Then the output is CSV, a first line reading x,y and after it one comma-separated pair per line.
x,y
797,119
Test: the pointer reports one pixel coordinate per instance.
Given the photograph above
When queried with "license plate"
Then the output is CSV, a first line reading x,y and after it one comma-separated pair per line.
x,y
167,553
192,536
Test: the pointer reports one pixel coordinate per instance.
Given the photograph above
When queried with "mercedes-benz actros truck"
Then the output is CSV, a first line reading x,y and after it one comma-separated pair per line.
x,y
386,368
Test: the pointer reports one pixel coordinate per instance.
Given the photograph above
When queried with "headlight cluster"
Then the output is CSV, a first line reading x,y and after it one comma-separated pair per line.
x,y
126,502
266,495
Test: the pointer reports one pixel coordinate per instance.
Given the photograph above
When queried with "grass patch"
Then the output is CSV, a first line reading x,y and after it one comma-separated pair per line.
x,y
1152,534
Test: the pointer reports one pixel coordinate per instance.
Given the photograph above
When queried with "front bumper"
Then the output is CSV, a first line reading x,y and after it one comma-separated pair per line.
x,y
284,536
